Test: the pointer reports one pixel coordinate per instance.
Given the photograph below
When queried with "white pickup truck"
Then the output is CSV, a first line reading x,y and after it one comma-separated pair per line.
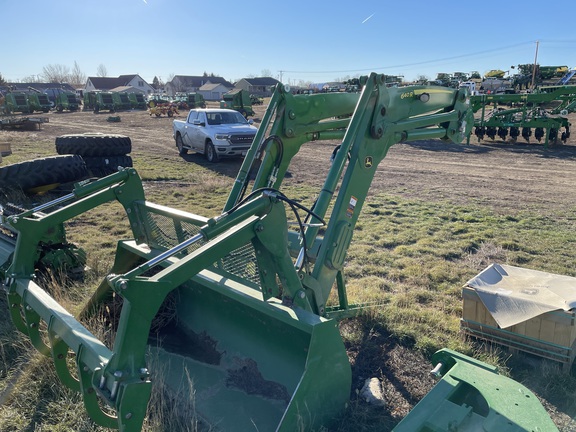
x,y
214,132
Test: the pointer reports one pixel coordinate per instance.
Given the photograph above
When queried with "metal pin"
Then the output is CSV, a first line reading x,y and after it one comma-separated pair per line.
x,y
436,370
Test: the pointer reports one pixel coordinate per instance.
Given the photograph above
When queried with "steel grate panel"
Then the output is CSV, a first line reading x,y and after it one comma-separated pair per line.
x,y
166,232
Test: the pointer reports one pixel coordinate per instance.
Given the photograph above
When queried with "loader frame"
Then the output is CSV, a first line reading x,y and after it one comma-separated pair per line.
x,y
261,287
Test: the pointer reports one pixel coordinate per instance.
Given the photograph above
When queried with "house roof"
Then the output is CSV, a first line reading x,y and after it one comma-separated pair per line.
x,y
199,81
211,86
126,89
107,83
262,81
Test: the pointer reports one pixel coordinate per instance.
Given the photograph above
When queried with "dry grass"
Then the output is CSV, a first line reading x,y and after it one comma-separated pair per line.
x,y
410,253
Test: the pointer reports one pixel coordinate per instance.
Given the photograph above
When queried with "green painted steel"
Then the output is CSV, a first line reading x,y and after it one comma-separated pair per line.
x,y
97,101
17,102
137,101
121,101
66,101
39,102
541,114
471,396
238,100
249,319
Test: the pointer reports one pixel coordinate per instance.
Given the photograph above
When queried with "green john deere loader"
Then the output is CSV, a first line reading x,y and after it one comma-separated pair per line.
x,y
248,291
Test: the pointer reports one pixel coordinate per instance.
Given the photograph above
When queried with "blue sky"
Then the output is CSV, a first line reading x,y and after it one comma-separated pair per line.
x,y
314,41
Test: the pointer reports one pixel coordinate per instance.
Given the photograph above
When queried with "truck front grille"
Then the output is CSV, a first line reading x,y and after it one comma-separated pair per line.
x,y
242,139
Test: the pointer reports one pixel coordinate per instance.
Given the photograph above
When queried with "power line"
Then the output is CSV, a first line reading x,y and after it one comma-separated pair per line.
x,y
490,51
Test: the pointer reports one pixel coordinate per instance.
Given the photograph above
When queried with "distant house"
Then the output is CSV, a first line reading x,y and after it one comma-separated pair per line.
x,y
261,87
190,84
109,83
127,89
213,92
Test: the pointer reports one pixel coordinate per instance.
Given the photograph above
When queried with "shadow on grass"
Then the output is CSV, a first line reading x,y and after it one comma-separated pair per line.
x,y
225,166
403,372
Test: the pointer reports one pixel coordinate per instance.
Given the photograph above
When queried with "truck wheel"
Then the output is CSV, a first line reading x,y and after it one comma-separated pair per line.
x,y
94,144
37,173
210,152
180,144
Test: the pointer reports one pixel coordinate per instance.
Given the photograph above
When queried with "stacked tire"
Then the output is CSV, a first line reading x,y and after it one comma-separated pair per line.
x,y
103,154
38,175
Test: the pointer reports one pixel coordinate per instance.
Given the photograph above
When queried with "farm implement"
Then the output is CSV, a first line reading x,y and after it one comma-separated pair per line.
x,y
244,296
167,109
541,115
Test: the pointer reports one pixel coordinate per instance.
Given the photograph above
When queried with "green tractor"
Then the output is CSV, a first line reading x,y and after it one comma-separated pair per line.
x,y
245,296
99,101
238,100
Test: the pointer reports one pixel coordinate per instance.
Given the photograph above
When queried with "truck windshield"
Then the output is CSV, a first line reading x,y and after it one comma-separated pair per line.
x,y
217,118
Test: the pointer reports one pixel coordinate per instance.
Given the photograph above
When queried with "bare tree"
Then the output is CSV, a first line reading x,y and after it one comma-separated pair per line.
x,y
31,79
101,71
2,80
56,73
266,73
77,77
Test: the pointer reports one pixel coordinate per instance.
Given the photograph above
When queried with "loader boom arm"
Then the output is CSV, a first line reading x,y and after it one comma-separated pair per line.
x,y
252,292
367,124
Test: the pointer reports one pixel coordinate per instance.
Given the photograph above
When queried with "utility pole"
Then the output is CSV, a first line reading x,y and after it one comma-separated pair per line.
x,y
534,67
281,72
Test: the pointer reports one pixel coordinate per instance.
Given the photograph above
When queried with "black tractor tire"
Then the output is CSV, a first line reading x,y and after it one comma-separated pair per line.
x,y
92,145
102,166
37,173
210,153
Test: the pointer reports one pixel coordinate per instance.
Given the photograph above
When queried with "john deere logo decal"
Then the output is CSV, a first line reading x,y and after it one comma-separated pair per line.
x,y
368,162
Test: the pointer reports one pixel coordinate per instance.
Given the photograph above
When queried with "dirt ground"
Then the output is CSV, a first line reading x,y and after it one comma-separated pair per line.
x,y
506,177
491,173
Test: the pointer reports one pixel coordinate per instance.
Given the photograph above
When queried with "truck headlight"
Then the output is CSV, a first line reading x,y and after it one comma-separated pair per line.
x,y
221,136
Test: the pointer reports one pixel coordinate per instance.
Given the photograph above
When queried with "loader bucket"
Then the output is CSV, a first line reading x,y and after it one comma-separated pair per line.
x,y
253,365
